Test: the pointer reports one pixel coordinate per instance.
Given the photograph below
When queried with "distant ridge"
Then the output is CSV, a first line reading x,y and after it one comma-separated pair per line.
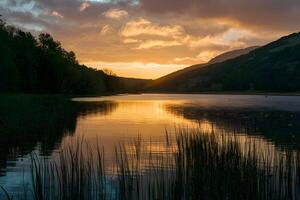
x,y
169,80
231,54
274,67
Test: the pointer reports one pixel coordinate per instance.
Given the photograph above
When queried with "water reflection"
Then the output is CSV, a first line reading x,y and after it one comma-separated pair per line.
x,y
39,124
275,119
47,125
282,128
94,108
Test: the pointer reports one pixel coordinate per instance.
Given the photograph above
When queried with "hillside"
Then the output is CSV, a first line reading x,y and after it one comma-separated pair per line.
x,y
231,54
127,85
274,67
42,65
167,82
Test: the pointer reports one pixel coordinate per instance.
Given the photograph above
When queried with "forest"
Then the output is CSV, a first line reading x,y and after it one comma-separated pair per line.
x,y
41,65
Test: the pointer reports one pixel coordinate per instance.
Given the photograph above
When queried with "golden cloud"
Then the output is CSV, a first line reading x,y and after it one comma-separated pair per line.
x,y
105,29
130,41
142,26
144,33
202,57
115,14
83,6
158,44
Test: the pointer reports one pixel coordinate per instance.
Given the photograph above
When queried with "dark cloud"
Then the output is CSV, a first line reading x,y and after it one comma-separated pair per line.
x,y
263,13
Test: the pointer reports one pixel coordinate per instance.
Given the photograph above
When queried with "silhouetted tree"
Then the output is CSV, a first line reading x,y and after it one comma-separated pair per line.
x,y
30,65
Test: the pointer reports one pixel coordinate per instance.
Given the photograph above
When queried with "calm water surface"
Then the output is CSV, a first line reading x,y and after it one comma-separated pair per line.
x,y
273,120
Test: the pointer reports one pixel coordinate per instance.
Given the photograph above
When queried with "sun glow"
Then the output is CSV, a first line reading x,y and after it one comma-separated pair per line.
x,y
137,69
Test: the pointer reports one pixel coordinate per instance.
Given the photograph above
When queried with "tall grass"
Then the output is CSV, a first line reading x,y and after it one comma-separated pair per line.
x,y
76,173
195,165
211,166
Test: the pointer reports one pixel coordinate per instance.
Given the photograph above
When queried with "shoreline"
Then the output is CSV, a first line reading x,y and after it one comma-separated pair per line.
x,y
228,93
69,96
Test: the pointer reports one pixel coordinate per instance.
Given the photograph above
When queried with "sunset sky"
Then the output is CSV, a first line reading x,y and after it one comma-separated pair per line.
x,y
151,38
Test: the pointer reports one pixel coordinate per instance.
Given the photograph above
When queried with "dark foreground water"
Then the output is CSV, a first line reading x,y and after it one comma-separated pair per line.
x,y
44,126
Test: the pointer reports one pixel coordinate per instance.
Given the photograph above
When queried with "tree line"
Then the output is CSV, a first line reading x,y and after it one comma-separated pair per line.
x,y
41,65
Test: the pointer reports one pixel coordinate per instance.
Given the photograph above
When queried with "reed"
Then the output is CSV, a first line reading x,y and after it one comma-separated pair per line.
x,y
195,165
211,166
73,174
5,193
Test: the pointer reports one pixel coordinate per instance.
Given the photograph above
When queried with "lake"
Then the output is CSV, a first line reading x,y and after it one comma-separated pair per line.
x,y
45,127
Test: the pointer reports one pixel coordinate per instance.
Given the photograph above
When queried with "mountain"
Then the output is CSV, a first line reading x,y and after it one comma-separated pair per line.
x,y
232,54
274,67
118,84
167,82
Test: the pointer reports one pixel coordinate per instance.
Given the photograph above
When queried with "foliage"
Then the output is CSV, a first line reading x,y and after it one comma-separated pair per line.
x,y
41,65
